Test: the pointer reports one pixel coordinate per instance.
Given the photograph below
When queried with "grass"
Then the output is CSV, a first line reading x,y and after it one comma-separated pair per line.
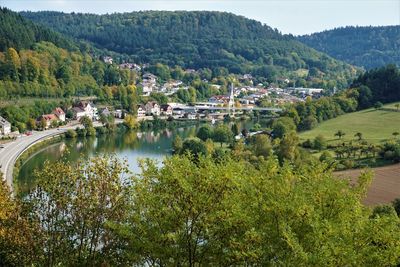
x,y
375,125
392,105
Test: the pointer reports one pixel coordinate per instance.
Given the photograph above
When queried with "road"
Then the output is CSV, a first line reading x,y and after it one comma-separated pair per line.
x,y
12,150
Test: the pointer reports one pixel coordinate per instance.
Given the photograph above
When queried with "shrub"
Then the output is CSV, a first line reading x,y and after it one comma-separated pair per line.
x,y
71,134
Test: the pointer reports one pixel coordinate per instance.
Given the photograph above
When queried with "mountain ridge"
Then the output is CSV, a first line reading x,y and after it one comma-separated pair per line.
x,y
200,39
364,46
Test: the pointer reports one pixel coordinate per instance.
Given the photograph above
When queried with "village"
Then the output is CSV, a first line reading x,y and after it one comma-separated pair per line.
x,y
243,97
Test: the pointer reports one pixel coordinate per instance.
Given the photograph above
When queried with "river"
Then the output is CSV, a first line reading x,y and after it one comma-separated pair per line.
x,y
129,146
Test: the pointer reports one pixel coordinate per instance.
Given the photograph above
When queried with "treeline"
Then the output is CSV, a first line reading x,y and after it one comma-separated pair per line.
x,y
202,40
50,71
195,211
368,47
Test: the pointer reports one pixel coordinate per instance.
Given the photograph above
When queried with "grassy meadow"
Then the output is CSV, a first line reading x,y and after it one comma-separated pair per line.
x,y
375,125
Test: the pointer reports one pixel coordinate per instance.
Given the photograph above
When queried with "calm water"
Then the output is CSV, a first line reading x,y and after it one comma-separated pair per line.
x,y
130,146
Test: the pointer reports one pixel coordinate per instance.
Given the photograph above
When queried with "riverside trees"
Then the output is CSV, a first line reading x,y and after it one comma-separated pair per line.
x,y
194,211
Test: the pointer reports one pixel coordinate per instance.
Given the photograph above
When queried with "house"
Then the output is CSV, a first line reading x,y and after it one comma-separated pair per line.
x,y
84,108
59,113
118,114
149,83
190,116
178,111
141,111
105,112
218,99
166,110
5,126
108,60
152,108
48,118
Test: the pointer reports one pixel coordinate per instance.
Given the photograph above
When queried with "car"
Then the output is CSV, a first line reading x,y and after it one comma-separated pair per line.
x,y
28,133
1,146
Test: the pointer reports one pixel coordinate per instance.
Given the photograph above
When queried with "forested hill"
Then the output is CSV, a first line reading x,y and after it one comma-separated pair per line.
x,y
367,47
196,40
20,33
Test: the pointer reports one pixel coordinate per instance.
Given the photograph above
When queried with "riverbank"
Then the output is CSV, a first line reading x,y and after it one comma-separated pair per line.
x,y
11,151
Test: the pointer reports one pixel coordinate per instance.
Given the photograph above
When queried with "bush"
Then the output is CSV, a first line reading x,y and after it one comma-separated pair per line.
x,y
307,144
348,163
319,143
101,130
71,134
325,157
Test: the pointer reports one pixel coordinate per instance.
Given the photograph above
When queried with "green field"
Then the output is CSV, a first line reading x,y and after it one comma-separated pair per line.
x,y
375,126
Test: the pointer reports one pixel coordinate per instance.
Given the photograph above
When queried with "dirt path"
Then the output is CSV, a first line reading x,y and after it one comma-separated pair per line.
x,y
385,185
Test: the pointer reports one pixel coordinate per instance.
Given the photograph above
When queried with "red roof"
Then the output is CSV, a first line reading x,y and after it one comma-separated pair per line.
x,y
58,111
49,117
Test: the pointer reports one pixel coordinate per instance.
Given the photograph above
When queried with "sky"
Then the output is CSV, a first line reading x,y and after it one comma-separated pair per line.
x,y
288,16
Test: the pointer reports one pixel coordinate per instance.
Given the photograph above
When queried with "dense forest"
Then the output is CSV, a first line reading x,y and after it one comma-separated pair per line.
x,y
201,40
20,33
367,47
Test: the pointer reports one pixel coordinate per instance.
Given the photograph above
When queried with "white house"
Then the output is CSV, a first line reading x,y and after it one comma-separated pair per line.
x,y
83,108
166,110
152,108
108,60
141,111
5,126
59,113
118,113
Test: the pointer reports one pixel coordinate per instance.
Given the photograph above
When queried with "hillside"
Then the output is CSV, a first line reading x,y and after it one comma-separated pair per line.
x,y
20,33
36,63
375,125
367,47
202,40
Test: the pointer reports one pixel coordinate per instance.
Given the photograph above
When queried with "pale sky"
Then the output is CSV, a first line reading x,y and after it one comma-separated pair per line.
x,y
288,16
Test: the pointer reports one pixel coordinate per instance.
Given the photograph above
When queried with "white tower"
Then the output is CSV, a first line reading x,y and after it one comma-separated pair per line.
x,y
231,103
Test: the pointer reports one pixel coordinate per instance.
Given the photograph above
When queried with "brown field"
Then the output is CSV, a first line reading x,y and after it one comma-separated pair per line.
x,y
385,186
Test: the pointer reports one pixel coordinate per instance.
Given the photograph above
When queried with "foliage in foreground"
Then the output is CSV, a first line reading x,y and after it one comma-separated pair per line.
x,y
194,211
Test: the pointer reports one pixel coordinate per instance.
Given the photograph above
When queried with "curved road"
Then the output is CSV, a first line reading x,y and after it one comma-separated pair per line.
x,y
12,150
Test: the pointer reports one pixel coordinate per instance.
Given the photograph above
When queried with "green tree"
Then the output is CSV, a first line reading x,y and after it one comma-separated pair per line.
x,y
283,126
261,145
195,146
319,142
130,121
340,134
287,148
235,129
359,136
16,235
86,122
222,134
205,132
72,206
177,144
378,105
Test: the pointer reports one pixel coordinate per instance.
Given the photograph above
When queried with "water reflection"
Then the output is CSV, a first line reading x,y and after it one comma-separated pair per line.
x,y
130,146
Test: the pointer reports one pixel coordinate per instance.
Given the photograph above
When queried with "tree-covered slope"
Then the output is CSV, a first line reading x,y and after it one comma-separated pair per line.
x,y
198,40
367,47
20,33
